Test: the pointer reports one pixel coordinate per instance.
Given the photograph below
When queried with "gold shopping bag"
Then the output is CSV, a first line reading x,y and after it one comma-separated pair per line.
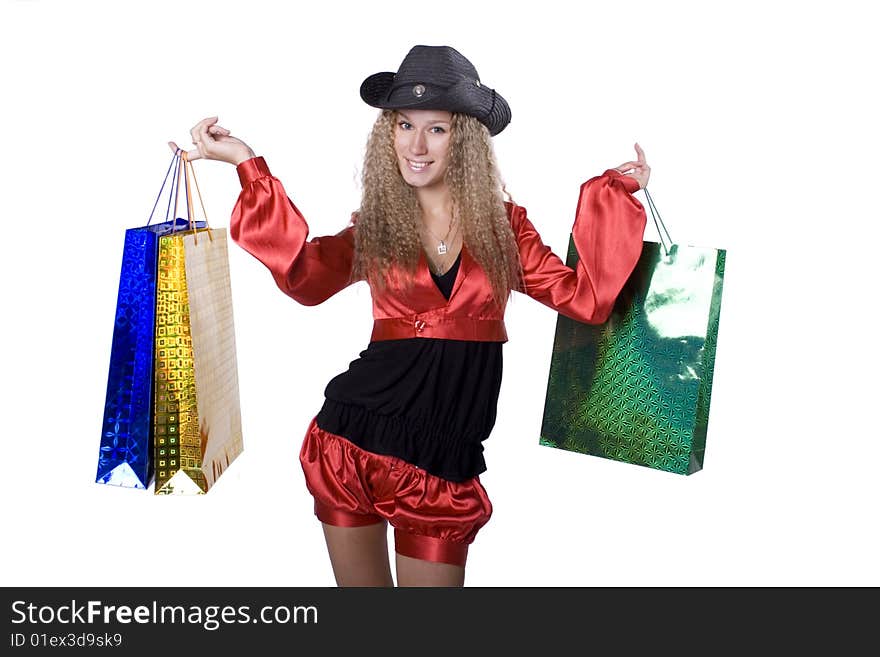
x,y
197,411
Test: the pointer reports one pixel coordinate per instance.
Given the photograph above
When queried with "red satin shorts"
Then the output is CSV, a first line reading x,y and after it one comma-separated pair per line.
x,y
433,519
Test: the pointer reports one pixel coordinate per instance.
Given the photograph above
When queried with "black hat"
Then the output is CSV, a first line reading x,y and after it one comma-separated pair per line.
x,y
441,78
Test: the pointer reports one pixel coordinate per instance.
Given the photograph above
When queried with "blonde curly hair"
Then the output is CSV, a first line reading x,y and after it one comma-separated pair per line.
x,y
387,233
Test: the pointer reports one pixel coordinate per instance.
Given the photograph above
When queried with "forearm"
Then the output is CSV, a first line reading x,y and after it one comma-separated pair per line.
x,y
267,224
607,232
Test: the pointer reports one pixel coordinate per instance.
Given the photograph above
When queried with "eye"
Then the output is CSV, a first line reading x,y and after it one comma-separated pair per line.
x,y
404,125
438,130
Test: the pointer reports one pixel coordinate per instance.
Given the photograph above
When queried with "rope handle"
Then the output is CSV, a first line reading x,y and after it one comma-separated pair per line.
x,y
658,222
175,164
186,173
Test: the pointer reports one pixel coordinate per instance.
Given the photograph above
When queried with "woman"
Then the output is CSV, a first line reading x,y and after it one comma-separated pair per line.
x,y
399,437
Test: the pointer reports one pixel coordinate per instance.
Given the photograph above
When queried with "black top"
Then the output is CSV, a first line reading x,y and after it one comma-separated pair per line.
x,y
428,401
446,281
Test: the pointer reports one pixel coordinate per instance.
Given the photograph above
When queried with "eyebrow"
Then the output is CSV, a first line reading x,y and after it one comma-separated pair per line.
x,y
429,122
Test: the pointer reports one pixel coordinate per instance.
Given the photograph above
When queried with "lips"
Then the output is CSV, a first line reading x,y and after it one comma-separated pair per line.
x,y
417,166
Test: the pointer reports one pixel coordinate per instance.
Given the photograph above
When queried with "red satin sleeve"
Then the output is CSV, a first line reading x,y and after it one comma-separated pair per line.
x,y
267,224
608,231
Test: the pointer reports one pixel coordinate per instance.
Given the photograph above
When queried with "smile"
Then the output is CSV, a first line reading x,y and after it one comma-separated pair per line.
x,y
417,166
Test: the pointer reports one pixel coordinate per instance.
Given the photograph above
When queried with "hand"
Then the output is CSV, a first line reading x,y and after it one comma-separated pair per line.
x,y
637,169
215,143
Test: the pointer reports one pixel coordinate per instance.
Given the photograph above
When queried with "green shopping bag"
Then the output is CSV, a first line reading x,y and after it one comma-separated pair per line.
x,y
637,388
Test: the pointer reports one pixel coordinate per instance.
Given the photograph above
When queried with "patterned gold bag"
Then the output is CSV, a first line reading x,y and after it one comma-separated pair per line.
x,y
197,412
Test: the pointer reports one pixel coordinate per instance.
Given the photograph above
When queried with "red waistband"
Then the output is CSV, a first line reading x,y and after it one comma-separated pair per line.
x,y
449,328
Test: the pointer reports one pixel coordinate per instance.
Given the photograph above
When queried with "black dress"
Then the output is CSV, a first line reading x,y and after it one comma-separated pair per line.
x,y
428,401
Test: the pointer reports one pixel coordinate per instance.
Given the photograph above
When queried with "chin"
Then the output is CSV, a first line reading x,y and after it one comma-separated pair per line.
x,y
415,181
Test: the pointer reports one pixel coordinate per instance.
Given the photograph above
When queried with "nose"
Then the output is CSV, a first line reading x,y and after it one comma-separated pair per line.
x,y
419,143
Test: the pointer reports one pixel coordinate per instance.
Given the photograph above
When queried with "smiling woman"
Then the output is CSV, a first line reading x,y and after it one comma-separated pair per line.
x,y
421,141
399,437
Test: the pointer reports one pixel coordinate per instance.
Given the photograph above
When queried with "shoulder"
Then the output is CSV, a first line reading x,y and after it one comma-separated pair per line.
x,y
515,213
517,216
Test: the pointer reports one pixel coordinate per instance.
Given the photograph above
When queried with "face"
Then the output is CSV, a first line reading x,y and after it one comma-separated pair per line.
x,y
421,142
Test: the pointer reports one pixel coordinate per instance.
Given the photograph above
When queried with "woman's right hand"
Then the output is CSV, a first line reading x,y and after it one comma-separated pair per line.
x,y
214,142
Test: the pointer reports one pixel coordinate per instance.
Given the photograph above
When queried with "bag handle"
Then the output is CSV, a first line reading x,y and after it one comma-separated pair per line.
x,y
175,164
658,222
187,172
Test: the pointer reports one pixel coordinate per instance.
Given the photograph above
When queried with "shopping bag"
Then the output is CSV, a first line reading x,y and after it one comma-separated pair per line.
x,y
126,450
172,404
638,388
197,412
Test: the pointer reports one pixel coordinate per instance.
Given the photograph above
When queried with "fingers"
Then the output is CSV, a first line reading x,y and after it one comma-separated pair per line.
x,y
190,155
201,137
200,130
626,166
209,124
211,141
642,171
639,166
640,153
204,135
637,169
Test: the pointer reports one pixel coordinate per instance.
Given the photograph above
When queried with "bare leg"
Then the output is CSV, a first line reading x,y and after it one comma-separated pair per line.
x,y
359,555
418,572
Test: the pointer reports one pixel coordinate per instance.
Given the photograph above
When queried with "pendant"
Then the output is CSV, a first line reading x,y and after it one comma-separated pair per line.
x,y
441,248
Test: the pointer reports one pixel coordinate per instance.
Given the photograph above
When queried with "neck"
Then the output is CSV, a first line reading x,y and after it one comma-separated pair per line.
x,y
435,201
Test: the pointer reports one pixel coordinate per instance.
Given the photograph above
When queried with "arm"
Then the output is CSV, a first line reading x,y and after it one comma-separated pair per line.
x,y
608,230
267,224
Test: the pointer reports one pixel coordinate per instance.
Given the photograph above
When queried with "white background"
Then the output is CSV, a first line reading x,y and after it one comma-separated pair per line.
x,y
761,128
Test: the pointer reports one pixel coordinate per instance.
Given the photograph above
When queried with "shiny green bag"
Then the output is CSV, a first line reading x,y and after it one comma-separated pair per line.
x,y
637,388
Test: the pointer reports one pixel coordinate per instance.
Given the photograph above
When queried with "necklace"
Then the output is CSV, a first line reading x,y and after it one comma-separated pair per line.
x,y
442,265
441,243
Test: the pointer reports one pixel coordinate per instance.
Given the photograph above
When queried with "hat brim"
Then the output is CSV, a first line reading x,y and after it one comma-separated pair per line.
x,y
375,88
466,97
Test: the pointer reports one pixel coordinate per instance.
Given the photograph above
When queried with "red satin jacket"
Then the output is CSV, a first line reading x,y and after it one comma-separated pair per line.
x,y
608,229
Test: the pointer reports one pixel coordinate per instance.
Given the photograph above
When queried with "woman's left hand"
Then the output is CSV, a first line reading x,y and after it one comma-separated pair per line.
x,y
637,169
